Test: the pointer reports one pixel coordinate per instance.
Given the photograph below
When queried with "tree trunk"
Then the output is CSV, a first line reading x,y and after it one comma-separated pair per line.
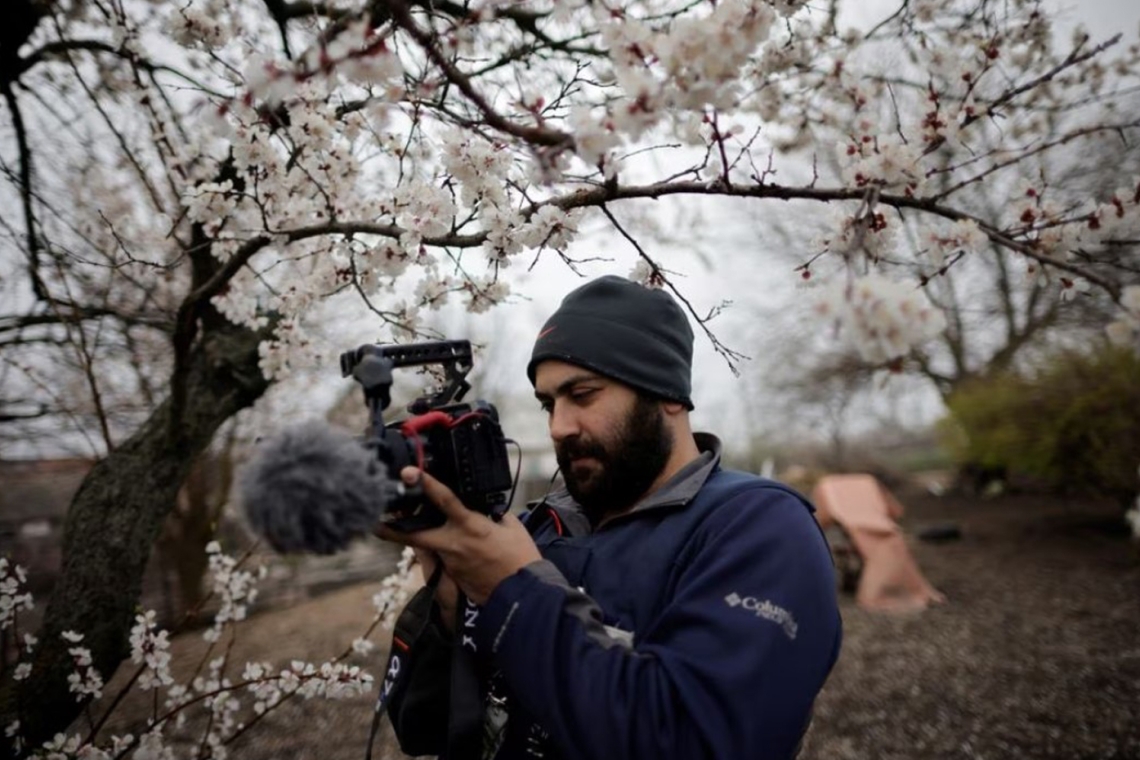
x,y
190,526
112,525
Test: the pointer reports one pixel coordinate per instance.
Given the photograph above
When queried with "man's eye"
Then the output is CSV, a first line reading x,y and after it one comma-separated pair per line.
x,y
546,406
583,394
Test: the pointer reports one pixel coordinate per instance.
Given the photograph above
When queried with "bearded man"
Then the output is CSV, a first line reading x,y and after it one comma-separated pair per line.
x,y
658,607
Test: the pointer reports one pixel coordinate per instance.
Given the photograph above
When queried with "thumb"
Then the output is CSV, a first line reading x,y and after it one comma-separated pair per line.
x,y
437,493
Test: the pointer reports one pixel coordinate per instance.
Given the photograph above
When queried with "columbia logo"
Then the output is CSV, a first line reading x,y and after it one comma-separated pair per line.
x,y
767,610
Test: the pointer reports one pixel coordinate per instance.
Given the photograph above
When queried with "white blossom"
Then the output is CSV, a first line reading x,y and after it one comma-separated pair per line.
x,y
883,320
479,166
869,232
267,80
235,589
433,291
177,695
396,589
151,647
193,27
1132,518
12,731
963,235
61,746
84,681
152,746
1071,287
594,136
1130,300
424,209
12,578
290,348
1125,329
550,227
647,275
504,238
484,293
883,161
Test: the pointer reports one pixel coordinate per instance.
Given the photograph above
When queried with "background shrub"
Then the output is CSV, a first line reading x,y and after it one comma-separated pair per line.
x,y
1072,424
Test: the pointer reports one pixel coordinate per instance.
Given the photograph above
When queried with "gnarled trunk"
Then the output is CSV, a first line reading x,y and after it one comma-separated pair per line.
x,y
112,525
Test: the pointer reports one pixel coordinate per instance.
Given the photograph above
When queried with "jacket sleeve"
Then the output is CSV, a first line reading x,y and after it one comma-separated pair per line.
x,y
418,707
730,667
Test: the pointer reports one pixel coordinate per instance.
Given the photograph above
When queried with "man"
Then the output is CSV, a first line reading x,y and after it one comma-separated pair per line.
x,y
658,607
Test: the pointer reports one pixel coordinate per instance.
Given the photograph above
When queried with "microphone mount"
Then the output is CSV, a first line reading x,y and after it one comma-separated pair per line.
x,y
371,365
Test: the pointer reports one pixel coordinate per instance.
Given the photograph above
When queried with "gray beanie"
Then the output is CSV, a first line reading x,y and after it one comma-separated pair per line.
x,y
625,331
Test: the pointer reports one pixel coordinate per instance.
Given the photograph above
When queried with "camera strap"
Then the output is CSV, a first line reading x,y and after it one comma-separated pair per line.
x,y
465,710
409,627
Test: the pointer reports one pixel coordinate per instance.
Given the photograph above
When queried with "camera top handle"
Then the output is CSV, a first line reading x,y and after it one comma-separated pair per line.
x,y
371,365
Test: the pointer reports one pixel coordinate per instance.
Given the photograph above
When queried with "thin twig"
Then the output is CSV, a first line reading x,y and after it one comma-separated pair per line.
x,y
730,356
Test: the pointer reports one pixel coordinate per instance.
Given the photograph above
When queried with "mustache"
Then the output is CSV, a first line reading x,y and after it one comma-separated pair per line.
x,y
577,448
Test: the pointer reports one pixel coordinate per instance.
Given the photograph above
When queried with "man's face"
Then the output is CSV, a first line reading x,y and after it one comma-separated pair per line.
x,y
611,442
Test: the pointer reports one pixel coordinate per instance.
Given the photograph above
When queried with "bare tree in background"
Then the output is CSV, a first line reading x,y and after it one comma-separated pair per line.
x,y
1001,310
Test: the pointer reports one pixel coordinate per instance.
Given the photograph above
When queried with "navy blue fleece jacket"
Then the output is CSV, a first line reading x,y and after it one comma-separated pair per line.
x,y
702,624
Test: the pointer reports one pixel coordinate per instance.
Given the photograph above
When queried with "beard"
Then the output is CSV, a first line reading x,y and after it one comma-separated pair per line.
x,y
624,465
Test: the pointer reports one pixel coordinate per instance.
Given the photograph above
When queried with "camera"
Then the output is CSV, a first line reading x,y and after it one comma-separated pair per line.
x,y
461,445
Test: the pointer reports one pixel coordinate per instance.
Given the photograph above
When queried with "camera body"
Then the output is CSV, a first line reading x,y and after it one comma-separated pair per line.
x,y
461,445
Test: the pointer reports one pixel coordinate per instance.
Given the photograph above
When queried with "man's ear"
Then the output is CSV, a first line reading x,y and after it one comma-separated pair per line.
x,y
673,408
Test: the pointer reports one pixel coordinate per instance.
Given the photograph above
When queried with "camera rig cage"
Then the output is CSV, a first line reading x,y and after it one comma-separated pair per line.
x,y
461,445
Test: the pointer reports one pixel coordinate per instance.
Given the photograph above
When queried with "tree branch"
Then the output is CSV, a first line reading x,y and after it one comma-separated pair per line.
x,y
1071,60
38,286
730,356
72,312
64,47
596,196
42,411
1022,155
402,17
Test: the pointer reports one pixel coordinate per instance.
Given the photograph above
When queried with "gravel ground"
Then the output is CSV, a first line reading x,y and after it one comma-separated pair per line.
x,y
1036,654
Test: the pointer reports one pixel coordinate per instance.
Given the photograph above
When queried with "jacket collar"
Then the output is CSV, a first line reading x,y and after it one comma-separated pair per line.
x,y
677,491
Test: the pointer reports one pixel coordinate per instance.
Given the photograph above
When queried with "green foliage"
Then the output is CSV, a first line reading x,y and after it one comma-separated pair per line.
x,y
921,456
1073,425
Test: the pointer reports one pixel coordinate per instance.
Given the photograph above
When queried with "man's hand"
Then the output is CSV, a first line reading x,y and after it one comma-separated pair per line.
x,y
477,552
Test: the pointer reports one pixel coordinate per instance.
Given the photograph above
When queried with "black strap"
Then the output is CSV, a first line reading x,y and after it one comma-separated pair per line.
x,y
465,711
409,626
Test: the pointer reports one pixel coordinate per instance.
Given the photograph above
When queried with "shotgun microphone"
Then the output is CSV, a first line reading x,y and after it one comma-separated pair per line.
x,y
312,489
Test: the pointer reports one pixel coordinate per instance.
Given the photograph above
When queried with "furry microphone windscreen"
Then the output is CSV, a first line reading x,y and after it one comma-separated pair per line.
x,y
313,489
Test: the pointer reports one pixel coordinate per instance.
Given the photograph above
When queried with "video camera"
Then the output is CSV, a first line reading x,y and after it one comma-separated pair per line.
x,y
461,445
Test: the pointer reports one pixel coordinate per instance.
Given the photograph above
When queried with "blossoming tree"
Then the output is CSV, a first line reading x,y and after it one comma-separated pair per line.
x,y
186,180
1001,310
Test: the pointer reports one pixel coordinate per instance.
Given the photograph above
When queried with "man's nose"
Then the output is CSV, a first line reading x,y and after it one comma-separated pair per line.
x,y
563,422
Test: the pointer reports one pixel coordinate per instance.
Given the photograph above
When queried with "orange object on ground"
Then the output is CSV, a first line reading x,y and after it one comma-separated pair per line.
x,y
866,512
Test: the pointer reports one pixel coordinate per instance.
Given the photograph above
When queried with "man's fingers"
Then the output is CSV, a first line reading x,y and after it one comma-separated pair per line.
x,y
388,534
437,493
443,538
